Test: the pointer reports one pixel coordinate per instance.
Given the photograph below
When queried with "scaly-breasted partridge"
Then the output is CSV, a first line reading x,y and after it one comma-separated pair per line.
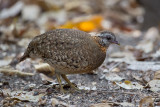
x,y
70,51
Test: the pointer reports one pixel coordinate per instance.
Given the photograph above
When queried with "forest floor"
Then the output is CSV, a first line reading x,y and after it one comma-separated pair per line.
x,y
129,77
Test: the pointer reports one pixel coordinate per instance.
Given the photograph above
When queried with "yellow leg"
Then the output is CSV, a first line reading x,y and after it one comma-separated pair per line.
x,y
60,83
67,80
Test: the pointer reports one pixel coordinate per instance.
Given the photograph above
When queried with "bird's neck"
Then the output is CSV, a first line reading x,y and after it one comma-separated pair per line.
x,y
98,41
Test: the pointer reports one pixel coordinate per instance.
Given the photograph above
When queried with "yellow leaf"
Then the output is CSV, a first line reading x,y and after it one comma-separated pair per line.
x,y
87,26
91,24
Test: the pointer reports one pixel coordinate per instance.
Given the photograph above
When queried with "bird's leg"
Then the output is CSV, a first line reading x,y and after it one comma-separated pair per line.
x,y
60,82
68,81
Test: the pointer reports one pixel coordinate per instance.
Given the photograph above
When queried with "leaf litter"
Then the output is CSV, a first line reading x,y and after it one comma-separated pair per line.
x,y
128,77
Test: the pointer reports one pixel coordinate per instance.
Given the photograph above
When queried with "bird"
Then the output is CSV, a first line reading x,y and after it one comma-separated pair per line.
x,y
70,51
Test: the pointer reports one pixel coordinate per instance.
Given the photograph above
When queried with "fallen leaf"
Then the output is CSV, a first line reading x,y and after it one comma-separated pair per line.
x,y
87,26
146,102
26,96
116,70
85,23
56,102
155,85
129,85
157,75
146,46
113,77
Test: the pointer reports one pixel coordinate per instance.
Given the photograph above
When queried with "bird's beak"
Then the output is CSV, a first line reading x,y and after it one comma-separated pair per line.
x,y
116,42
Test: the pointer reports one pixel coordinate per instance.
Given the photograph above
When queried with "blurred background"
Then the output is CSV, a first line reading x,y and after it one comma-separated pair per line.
x,y
136,23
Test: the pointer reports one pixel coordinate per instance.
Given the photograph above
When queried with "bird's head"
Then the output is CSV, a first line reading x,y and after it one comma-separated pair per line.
x,y
106,38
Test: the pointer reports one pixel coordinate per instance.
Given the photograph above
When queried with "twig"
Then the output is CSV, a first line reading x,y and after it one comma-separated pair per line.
x,y
14,72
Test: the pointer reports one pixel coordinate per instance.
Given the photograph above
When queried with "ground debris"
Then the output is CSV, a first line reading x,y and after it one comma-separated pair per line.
x,y
9,71
129,77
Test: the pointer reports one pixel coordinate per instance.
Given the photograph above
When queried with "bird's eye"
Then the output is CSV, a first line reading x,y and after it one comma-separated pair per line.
x,y
109,38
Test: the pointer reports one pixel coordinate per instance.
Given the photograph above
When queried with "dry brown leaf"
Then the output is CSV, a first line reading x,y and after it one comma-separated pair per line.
x,y
26,96
31,32
157,75
146,102
22,95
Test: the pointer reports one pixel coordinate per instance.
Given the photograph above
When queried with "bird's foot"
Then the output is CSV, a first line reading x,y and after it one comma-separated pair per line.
x,y
71,88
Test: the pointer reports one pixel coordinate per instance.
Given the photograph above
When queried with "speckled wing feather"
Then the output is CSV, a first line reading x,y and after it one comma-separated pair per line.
x,y
68,50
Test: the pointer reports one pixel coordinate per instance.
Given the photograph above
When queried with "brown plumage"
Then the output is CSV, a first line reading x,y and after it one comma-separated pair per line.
x,y
70,51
